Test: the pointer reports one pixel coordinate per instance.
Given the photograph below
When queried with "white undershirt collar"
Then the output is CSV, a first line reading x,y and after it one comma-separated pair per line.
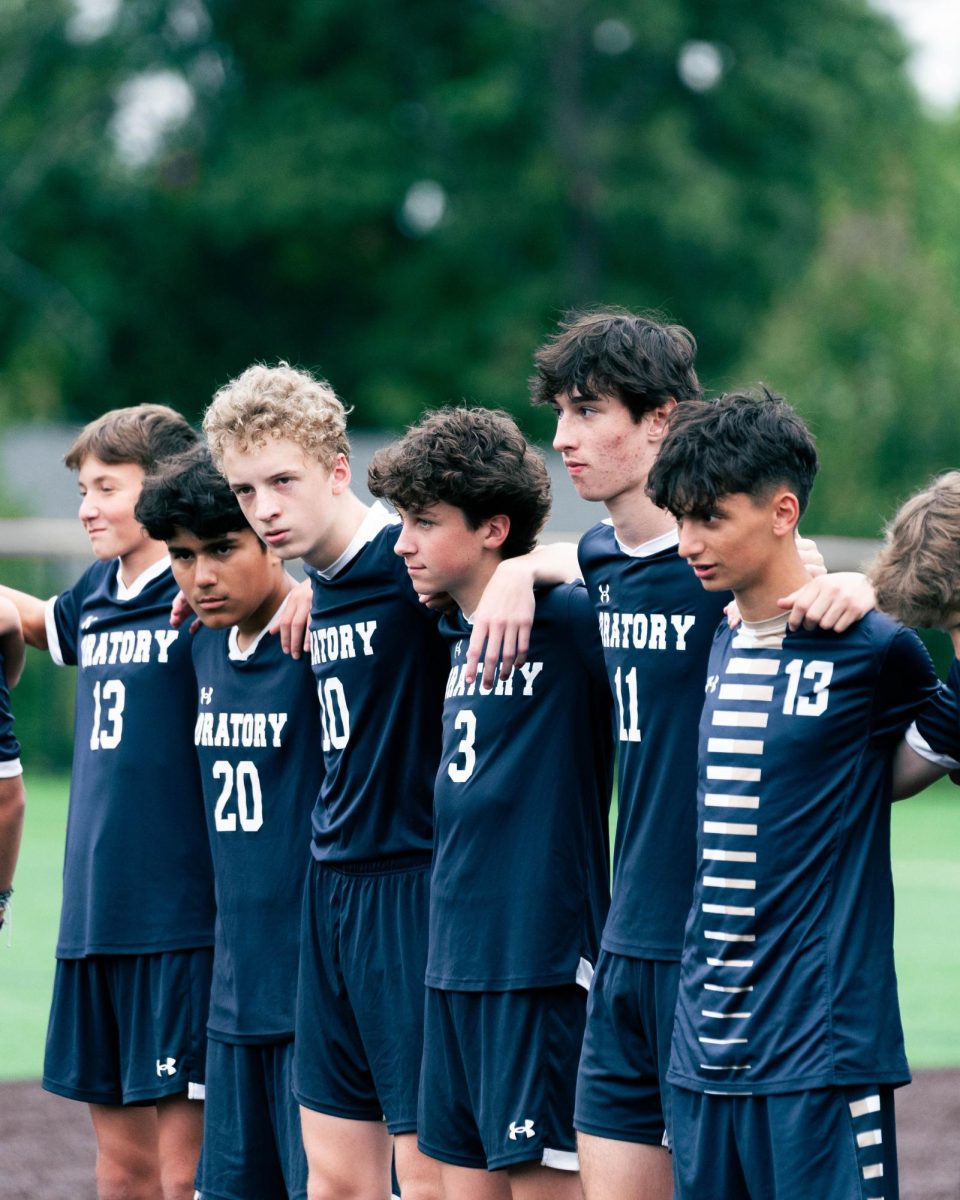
x,y
234,653
664,541
378,517
154,571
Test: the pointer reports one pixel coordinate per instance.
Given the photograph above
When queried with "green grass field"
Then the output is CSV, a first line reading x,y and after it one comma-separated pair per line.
x,y
926,863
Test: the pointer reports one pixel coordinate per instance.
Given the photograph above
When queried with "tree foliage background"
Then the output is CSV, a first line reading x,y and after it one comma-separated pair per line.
x,y
405,197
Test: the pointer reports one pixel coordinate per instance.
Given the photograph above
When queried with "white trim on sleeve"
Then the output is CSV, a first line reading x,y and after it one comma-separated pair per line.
x,y
53,637
919,745
10,768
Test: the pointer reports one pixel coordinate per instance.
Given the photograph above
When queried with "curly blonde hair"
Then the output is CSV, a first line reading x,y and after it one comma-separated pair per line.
x,y
917,573
278,402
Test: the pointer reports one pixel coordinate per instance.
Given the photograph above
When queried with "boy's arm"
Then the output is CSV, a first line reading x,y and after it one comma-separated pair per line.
x,y
912,773
32,613
12,804
293,624
11,641
833,601
504,616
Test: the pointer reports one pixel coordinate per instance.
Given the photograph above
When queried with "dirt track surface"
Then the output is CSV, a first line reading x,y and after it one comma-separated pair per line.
x,y
46,1143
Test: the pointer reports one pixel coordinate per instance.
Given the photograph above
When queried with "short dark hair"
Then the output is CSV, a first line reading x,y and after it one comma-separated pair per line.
x,y
188,492
746,442
475,459
143,435
634,356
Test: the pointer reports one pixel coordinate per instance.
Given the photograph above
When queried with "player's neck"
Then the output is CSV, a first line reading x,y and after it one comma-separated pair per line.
x,y
350,515
467,597
250,628
758,600
636,519
136,561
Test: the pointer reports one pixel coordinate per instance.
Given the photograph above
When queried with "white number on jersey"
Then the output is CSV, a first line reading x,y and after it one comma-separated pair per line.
x,y
629,729
108,701
467,721
334,715
249,797
816,703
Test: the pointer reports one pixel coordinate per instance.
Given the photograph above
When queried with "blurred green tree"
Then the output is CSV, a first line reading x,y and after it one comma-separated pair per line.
x,y
406,196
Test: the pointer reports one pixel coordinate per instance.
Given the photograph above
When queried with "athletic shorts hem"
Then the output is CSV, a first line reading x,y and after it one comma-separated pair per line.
x,y
338,1110
205,1194
478,1163
618,1135
518,1158
401,1126
114,1099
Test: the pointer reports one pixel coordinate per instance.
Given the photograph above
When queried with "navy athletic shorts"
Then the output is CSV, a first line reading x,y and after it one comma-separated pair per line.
x,y
128,1028
621,1087
252,1147
499,1075
363,957
836,1143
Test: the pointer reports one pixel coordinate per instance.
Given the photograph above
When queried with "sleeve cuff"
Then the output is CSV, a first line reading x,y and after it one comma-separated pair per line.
x,y
53,636
919,745
10,768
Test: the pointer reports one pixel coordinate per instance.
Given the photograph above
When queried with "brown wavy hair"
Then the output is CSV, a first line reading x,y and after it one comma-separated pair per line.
x,y
475,459
917,573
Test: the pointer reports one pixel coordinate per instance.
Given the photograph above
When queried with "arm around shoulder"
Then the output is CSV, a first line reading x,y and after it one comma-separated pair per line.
x,y
11,642
31,611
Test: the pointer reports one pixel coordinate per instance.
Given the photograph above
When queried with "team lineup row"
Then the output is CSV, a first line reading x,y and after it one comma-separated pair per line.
x,y
455,1000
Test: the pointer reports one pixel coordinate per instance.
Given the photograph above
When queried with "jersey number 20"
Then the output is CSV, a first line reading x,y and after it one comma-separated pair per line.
x,y
249,797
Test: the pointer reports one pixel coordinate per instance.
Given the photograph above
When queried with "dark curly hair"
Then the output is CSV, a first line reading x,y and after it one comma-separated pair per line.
x,y
187,492
475,459
745,442
634,356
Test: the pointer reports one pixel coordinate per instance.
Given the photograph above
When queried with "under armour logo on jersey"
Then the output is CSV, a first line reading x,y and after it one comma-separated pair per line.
x,y
712,681
167,1068
604,593
206,695
458,649
515,1130
87,622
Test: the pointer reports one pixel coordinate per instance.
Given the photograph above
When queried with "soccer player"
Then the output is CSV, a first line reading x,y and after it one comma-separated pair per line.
x,y
787,1040
279,436
613,379
12,796
126,1030
256,737
917,580
519,888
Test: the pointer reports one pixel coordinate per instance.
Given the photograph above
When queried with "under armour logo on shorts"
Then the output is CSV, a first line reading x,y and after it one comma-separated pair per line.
x,y
516,1130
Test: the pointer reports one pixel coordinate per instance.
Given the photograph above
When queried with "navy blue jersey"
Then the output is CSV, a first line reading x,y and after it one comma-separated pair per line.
x,y
656,626
9,746
520,882
137,876
935,735
256,734
380,664
787,980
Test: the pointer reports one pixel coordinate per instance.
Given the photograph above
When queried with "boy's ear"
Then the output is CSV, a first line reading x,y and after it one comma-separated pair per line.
x,y
341,475
785,512
498,528
660,419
